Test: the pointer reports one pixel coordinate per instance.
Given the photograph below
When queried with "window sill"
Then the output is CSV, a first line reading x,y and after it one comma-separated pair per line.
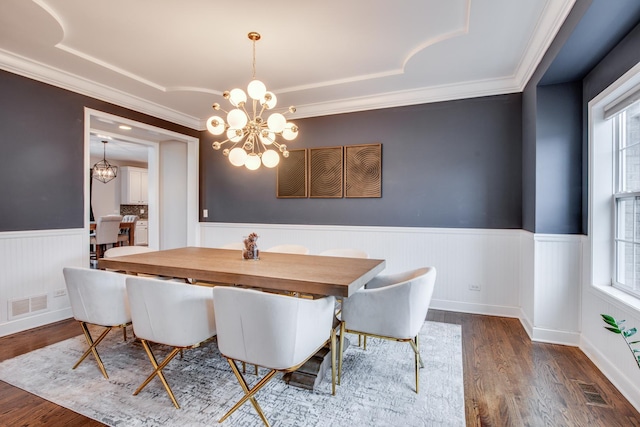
x,y
619,298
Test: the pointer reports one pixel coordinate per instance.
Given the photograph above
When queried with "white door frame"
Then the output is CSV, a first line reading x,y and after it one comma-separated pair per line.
x,y
154,176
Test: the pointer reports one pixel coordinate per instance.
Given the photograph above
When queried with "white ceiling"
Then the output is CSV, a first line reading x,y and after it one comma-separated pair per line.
x,y
173,59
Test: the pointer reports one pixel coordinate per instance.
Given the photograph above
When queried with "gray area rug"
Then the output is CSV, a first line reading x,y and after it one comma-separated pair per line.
x,y
377,385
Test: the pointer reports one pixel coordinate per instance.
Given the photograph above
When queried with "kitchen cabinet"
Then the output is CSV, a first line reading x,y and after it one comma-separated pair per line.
x,y
142,233
134,186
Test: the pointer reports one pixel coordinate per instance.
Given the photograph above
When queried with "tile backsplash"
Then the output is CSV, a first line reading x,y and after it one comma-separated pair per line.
x,y
135,210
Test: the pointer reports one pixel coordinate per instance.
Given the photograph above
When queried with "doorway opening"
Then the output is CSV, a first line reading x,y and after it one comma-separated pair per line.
x,y
166,228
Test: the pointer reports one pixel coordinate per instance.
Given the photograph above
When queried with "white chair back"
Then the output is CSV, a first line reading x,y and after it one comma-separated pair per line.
x,y
170,313
130,218
396,310
96,296
107,229
345,252
270,330
289,249
126,250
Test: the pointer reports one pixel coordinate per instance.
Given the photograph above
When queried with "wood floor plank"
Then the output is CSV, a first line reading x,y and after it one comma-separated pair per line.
x,y
508,379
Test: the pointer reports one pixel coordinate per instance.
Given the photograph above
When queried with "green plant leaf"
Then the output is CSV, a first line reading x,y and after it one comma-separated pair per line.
x,y
610,320
614,330
630,332
634,342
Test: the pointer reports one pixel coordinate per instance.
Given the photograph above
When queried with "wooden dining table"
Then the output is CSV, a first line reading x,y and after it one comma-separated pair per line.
x,y
130,226
303,274
311,275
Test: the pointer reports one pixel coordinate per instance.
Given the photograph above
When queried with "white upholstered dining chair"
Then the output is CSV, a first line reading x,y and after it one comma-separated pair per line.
x,y
123,235
289,249
107,230
274,331
172,314
97,297
392,307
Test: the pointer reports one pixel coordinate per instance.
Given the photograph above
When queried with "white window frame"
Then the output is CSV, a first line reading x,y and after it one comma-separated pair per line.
x,y
621,192
602,186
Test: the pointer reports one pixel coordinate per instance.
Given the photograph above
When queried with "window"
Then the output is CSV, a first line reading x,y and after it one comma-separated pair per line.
x,y
626,137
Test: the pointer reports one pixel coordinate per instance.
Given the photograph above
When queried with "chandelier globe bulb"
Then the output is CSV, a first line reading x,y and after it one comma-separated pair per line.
x,y
252,162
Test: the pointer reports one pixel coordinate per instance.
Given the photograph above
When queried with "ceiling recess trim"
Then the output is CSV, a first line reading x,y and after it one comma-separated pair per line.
x,y
548,26
37,71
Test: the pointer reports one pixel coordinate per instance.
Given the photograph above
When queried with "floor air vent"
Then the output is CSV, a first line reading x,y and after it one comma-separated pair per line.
x,y
592,394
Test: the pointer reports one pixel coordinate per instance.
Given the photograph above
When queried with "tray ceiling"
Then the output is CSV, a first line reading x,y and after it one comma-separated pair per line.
x,y
174,59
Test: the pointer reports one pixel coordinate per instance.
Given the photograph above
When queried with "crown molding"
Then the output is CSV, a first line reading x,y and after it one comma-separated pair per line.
x,y
37,71
554,15
410,97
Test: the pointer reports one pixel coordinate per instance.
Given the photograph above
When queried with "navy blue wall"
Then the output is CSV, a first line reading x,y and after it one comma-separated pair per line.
x,y
42,153
529,113
506,161
559,159
556,215
447,164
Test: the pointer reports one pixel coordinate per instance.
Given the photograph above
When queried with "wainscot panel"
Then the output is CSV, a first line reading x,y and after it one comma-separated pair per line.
x,y
32,287
478,270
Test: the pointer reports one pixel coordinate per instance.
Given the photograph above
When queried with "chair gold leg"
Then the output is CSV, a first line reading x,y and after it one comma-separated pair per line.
x,y
333,361
158,371
342,332
365,342
92,348
249,393
418,360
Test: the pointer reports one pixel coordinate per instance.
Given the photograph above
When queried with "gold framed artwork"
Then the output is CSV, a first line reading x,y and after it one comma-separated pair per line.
x,y
325,172
291,181
363,170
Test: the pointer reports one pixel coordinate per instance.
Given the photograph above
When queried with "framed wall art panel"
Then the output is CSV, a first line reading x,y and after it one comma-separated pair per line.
x,y
363,170
325,172
291,181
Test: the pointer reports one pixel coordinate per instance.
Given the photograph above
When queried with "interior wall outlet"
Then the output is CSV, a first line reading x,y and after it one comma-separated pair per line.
x,y
474,287
59,293
205,213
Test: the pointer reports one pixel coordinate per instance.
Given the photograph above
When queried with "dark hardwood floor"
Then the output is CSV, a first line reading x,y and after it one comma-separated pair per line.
x,y
508,380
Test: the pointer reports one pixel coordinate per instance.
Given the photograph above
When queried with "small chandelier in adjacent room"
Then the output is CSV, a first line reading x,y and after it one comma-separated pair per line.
x,y
252,138
103,170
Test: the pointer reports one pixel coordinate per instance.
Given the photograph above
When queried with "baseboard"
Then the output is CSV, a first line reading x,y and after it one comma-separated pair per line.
x,y
555,337
474,308
621,381
31,322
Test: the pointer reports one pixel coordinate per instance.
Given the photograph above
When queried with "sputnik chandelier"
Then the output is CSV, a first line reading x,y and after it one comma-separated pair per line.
x,y
252,138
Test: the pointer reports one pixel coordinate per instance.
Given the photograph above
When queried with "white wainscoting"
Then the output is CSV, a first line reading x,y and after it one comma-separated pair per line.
x,y
464,258
515,272
31,265
554,301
